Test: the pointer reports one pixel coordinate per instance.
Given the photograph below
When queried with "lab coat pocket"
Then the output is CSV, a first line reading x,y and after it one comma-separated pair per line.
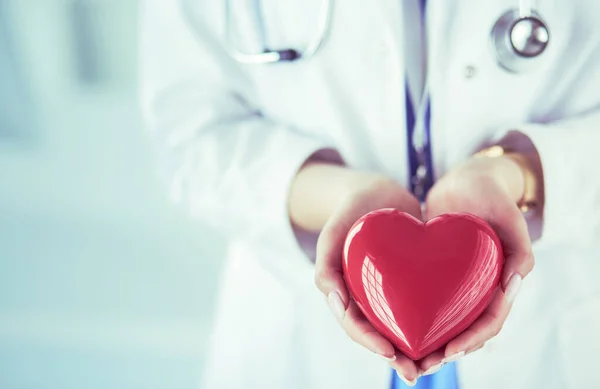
x,y
265,25
579,336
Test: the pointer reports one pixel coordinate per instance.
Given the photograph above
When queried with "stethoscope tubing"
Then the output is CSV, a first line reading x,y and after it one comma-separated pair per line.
x,y
518,38
285,55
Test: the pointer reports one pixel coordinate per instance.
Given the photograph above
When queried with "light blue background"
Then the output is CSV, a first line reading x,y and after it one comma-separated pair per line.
x,y
102,283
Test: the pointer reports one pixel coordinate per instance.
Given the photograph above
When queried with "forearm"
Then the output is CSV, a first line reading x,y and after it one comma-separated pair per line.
x,y
306,210
315,192
319,189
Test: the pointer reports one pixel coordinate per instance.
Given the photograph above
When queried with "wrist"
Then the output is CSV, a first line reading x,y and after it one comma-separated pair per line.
x,y
517,173
314,193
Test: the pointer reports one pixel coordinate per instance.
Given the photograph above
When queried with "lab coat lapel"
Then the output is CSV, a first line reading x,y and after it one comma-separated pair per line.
x,y
378,63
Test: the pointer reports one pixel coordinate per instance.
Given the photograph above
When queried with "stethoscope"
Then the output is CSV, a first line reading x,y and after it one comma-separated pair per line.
x,y
518,38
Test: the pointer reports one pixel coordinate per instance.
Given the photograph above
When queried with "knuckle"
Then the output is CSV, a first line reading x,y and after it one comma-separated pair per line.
x,y
352,334
478,347
321,280
529,262
497,330
526,265
362,339
354,337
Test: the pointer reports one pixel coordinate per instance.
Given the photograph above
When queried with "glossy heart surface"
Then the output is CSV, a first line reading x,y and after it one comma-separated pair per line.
x,y
421,284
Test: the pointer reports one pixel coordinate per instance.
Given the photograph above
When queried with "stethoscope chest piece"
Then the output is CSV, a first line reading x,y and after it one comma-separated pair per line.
x,y
519,41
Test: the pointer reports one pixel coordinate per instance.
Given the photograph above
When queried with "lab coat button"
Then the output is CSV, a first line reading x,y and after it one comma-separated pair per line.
x,y
470,71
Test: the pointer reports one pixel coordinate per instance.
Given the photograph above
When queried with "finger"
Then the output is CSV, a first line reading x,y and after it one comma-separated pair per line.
x,y
483,329
476,348
511,227
432,363
328,265
362,332
406,368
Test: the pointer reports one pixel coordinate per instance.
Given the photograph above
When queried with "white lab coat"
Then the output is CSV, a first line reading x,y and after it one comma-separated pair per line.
x,y
231,138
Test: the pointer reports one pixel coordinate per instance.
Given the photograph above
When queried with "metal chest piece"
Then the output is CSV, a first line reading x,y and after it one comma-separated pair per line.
x,y
519,41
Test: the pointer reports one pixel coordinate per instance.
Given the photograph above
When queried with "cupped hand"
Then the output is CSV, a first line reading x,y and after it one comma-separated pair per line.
x,y
490,189
368,192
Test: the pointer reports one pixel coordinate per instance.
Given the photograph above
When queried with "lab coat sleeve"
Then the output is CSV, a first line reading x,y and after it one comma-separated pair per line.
x,y
569,150
226,163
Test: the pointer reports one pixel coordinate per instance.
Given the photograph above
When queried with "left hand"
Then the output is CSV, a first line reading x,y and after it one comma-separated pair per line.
x,y
490,189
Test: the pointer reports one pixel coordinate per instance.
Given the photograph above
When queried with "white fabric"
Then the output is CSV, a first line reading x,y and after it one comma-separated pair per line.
x,y
232,137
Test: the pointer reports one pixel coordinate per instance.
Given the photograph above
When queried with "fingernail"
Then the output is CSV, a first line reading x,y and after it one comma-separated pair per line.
x,y
433,369
387,359
336,305
513,287
454,357
407,382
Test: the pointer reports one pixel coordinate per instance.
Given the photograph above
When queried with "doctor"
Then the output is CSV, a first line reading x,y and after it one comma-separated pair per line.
x,y
360,106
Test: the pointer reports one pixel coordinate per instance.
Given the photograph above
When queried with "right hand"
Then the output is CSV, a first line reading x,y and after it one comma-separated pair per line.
x,y
368,192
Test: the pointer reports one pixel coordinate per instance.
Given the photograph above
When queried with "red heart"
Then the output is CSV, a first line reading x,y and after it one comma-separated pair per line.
x,y
421,284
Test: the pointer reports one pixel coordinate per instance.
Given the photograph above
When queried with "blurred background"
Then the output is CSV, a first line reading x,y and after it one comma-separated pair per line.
x,y
102,283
